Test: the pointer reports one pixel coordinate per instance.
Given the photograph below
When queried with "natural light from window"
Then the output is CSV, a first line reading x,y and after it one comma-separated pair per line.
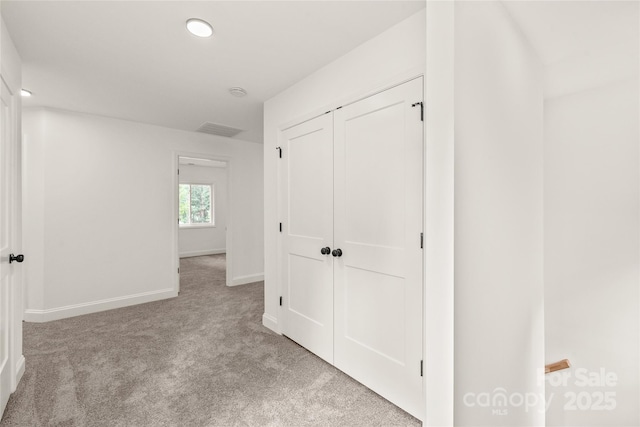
x,y
196,205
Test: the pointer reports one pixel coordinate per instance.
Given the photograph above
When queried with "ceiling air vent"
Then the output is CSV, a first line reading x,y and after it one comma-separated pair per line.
x,y
220,130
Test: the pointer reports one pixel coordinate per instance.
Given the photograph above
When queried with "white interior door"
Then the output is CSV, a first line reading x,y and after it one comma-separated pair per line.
x,y
9,301
307,230
378,198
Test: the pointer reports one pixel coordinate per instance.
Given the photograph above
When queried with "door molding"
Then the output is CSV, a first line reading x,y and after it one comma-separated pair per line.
x,y
176,204
439,214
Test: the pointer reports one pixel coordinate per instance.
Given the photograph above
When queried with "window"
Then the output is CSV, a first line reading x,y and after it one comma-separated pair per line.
x,y
196,204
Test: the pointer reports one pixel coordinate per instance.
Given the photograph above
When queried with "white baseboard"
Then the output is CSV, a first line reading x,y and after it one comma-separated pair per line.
x,y
19,372
243,280
188,254
270,322
39,316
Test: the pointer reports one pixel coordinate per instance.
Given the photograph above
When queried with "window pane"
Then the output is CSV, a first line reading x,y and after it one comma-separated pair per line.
x,y
184,204
200,204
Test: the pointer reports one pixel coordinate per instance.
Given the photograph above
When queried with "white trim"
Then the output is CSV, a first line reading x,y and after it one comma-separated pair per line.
x,y
438,296
271,323
243,280
202,253
176,204
19,372
175,219
58,313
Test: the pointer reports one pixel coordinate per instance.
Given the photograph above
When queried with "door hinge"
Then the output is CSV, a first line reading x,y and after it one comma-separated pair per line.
x,y
279,151
421,368
178,171
178,270
421,240
421,109
281,227
280,300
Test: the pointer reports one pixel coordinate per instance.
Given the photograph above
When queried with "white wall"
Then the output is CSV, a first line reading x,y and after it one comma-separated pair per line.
x,y
204,240
389,58
10,62
499,323
100,193
592,271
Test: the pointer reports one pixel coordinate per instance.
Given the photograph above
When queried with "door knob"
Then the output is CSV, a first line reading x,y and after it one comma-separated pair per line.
x,y
337,252
18,258
325,251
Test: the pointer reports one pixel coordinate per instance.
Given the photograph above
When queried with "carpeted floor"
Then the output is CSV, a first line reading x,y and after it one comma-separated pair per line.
x,y
201,359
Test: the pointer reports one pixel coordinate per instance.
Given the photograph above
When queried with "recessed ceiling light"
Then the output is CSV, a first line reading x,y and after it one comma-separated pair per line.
x,y
237,91
199,28
25,92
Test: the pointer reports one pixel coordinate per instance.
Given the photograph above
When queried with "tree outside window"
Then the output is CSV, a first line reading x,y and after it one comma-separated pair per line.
x,y
196,204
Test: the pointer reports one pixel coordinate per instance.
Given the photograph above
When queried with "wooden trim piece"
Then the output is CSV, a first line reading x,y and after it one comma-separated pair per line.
x,y
552,367
40,316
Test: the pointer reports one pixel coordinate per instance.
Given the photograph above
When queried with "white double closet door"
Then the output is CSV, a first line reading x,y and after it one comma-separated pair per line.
x,y
352,182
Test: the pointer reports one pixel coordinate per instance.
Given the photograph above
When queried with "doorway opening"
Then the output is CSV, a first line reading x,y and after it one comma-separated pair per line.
x,y
202,206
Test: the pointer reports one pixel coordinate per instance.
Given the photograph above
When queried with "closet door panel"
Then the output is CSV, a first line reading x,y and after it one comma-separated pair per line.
x,y
378,197
307,227
371,178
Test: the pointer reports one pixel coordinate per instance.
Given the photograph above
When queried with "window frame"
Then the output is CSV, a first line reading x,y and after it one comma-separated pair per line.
x,y
212,205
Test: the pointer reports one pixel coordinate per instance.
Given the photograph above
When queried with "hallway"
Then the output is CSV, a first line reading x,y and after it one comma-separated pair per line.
x,y
202,358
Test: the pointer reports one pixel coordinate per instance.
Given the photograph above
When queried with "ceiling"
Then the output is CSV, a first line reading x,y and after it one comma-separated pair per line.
x,y
581,44
134,60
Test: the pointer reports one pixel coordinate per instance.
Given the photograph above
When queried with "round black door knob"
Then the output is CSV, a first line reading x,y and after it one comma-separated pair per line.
x,y
325,251
337,252
17,258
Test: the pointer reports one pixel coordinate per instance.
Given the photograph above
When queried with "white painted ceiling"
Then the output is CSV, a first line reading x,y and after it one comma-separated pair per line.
x,y
135,60
581,44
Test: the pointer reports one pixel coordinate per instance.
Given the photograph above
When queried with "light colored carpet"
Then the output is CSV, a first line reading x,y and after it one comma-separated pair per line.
x,y
201,359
